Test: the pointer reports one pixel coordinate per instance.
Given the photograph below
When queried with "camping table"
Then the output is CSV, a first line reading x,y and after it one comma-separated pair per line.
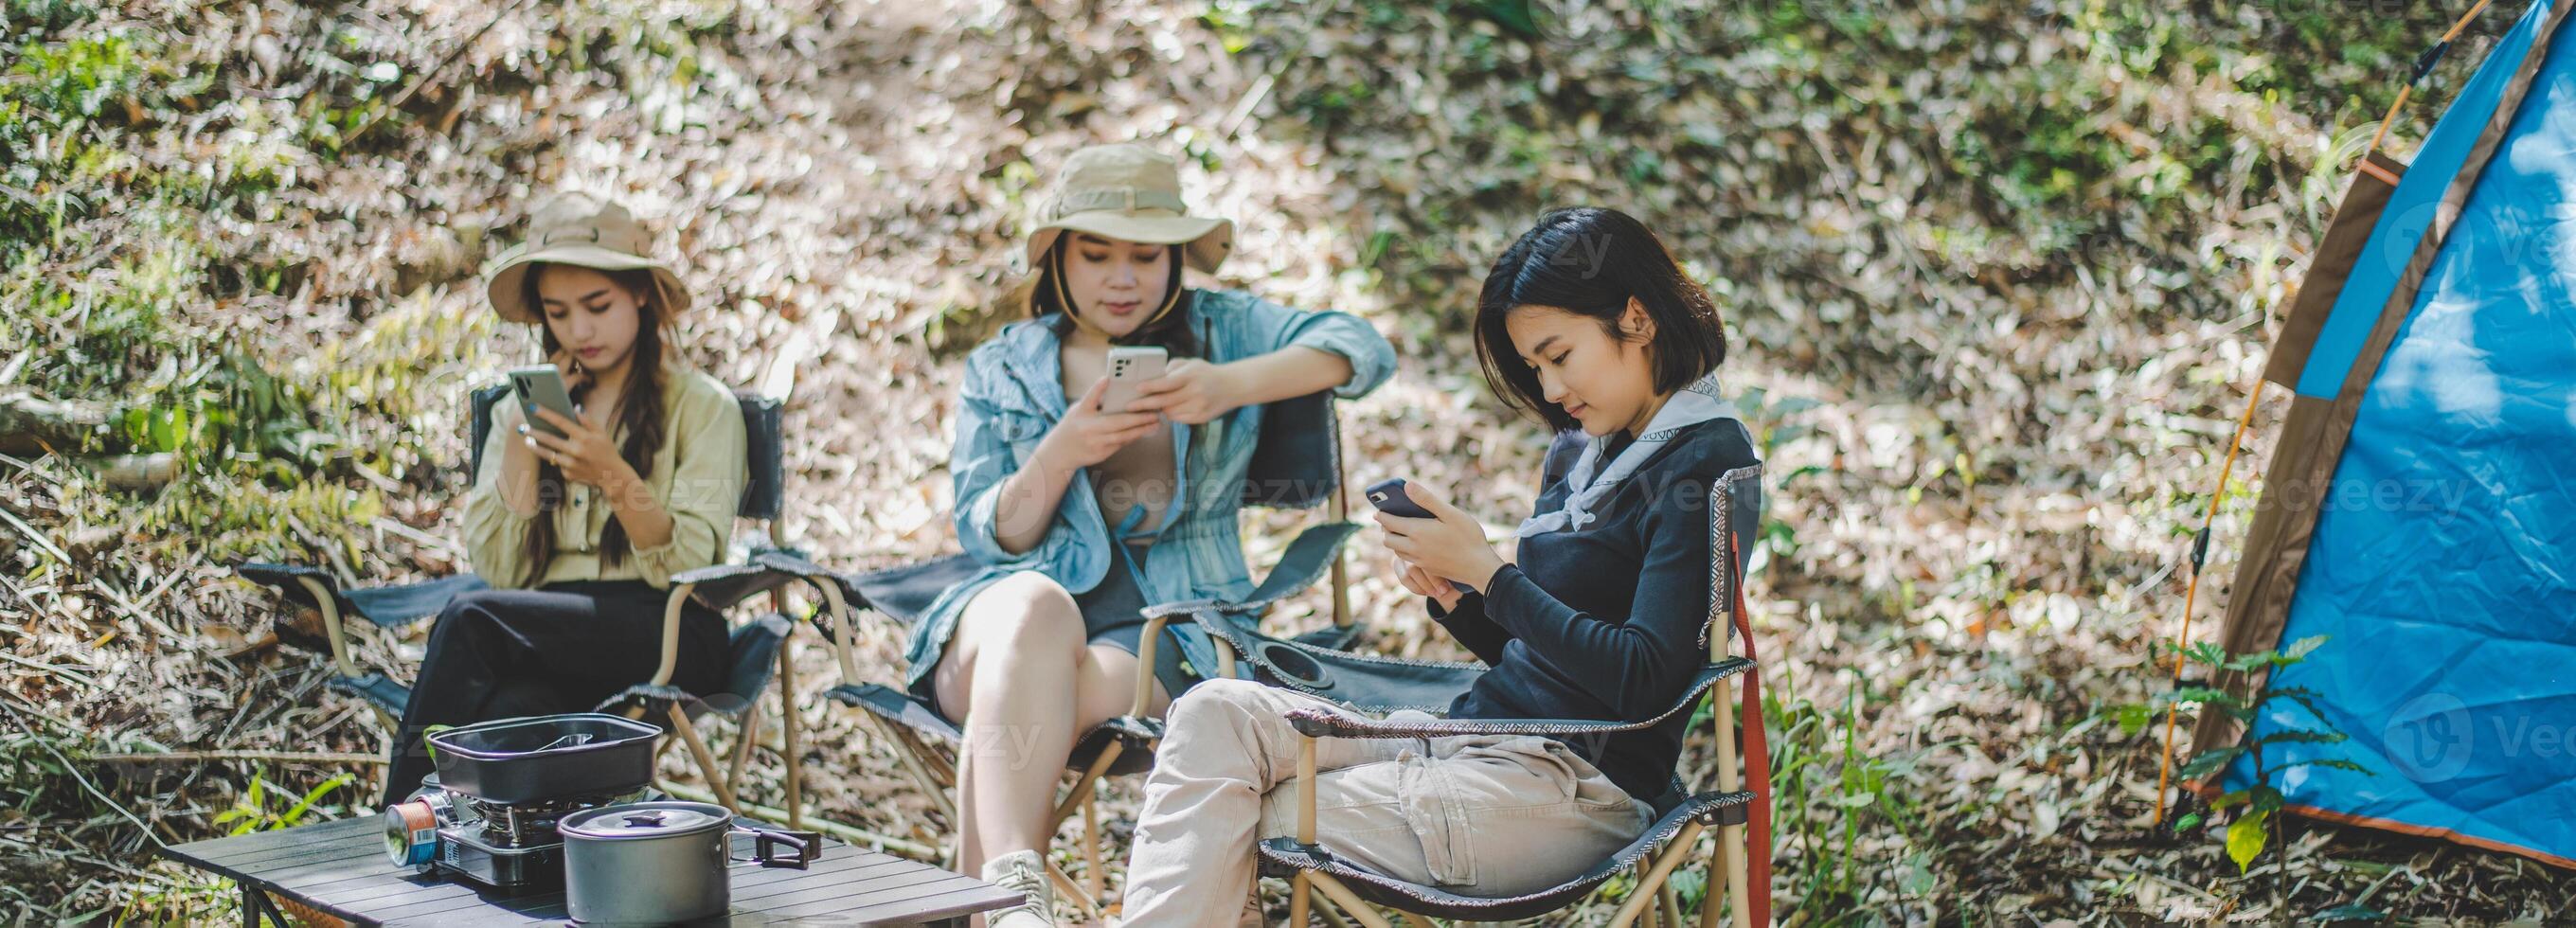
x,y
340,868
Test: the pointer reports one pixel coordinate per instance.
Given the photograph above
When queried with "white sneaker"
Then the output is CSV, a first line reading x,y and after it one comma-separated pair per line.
x,y
1022,872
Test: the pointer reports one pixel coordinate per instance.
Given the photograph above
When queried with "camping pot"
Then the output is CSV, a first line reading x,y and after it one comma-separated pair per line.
x,y
653,863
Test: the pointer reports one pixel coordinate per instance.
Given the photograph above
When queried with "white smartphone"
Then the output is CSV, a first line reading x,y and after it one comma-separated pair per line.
x,y
1129,366
541,385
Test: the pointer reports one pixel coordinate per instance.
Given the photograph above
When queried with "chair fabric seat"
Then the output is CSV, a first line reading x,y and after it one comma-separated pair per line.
x,y
1360,681
386,606
375,688
751,661
402,604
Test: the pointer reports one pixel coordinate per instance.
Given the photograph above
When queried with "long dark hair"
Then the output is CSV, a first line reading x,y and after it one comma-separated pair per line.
x,y
1590,261
639,415
1172,332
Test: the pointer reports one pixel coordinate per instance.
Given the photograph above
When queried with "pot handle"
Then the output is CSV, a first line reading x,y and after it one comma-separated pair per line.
x,y
764,848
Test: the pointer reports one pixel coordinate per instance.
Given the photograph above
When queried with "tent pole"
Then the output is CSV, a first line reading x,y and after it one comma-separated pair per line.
x,y
2191,593
2423,66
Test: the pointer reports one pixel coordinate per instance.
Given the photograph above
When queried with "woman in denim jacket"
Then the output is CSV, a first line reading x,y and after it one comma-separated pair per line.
x,y
1082,516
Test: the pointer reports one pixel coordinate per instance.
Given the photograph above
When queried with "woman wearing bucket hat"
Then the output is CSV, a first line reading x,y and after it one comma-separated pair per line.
x,y
1081,515
580,532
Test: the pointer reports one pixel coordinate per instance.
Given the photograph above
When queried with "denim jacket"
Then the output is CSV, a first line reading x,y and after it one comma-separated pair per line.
x,y
1014,394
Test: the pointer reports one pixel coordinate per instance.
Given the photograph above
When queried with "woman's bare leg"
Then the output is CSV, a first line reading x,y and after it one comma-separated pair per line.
x,y
1008,676
1106,687
1026,687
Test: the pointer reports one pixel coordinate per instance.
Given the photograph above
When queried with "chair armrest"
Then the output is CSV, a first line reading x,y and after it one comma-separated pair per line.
x,y
313,587
678,596
288,578
1320,723
1181,607
836,592
715,572
720,586
793,563
1307,559
717,587
829,584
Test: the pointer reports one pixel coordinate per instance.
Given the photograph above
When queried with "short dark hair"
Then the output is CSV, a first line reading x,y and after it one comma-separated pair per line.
x,y
1590,261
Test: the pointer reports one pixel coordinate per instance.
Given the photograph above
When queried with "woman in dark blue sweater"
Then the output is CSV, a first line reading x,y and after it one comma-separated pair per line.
x,y
1588,322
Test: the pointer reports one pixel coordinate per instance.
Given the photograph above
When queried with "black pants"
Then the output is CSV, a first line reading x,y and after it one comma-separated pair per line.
x,y
498,654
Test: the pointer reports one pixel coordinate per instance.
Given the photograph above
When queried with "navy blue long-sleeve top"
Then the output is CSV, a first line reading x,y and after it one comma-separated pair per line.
x,y
1607,622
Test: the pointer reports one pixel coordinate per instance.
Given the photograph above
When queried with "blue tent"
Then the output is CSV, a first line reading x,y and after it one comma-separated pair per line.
x,y
2420,509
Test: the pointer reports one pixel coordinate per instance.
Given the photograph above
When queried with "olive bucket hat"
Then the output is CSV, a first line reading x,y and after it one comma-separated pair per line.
x,y
583,231
1132,193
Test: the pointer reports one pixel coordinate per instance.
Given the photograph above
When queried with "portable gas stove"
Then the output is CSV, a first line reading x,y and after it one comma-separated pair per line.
x,y
503,845
489,814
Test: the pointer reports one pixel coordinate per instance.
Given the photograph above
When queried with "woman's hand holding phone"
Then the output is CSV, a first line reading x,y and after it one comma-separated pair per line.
x,y
1087,435
1190,392
584,454
1422,583
1448,546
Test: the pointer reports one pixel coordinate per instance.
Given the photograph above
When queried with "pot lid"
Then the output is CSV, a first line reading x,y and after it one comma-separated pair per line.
x,y
647,820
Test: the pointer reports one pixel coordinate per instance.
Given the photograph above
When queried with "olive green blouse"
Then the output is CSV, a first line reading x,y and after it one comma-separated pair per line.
x,y
698,477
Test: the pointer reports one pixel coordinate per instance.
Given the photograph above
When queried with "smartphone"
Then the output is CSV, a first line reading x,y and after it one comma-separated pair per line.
x,y
541,385
1129,366
1389,497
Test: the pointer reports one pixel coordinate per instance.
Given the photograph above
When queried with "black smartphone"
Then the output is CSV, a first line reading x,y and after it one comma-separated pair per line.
x,y
1389,497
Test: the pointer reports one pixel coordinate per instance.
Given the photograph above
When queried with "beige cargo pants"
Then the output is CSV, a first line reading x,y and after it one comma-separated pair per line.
x,y
1476,815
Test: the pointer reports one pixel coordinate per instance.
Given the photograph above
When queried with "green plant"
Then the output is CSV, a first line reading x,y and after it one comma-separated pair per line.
x,y
252,812
171,894
2250,833
1828,793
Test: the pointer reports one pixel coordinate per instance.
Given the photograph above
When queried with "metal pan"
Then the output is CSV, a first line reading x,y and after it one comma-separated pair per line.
x,y
546,757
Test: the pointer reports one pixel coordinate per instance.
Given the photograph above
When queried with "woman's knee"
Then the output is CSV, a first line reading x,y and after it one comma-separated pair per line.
x,y
470,602
470,615
1030,588
1024,611
1220,701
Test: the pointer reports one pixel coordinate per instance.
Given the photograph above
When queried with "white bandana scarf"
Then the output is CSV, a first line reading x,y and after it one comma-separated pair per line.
x,y
1694,404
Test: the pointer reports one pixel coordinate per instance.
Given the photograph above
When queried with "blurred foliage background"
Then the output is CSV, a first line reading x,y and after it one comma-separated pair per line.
x,y
1997,274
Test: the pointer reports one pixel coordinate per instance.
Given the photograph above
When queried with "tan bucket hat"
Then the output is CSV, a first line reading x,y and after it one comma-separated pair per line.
x,y
1133,193
584,231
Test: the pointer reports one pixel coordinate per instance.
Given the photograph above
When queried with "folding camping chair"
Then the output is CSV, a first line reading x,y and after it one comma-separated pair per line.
x,y
756,647
1296,464
1378,684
